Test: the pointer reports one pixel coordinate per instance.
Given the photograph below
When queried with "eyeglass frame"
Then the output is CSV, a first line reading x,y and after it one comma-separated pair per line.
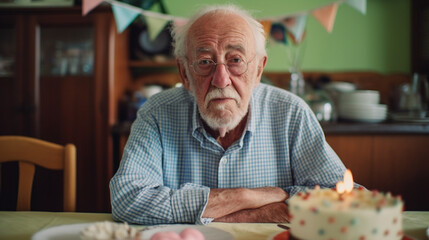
x,y
214,65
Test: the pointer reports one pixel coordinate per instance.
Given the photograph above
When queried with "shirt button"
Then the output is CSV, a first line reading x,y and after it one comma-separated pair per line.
x,y
223,160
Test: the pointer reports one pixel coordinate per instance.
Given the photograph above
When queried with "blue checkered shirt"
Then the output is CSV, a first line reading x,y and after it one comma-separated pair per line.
x,y
170,162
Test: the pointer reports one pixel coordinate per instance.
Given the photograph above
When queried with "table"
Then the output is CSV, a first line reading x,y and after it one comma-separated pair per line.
x,y
22,225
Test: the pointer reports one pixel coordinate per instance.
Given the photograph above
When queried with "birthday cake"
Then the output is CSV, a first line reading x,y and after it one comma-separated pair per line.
x,y
359,214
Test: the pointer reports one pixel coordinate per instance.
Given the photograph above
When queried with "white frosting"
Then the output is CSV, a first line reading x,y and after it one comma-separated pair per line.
x,y
361,215
107,231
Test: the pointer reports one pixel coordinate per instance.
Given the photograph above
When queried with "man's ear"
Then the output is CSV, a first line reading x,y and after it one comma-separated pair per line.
x,y
261,66
183,75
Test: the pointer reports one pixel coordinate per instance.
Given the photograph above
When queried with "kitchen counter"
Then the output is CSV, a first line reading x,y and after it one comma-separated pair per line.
x,y
375,128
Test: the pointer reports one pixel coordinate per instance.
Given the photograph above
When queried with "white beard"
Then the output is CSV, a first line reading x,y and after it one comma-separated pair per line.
x,y
226,121
219,122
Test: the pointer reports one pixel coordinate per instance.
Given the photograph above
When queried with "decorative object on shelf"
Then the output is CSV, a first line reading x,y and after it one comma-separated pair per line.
x,y
142,47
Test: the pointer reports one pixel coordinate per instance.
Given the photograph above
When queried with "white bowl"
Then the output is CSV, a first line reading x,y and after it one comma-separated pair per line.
x,y
340,86
360,96
362,107
363,111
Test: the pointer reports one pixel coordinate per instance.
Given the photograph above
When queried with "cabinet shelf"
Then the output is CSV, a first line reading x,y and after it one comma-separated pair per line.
x,y
140,63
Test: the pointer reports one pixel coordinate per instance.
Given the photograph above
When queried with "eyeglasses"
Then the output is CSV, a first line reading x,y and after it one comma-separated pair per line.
x,y
235,66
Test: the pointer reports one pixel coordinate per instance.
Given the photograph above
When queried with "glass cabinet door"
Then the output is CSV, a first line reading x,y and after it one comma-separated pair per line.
x,y
66,51
7,51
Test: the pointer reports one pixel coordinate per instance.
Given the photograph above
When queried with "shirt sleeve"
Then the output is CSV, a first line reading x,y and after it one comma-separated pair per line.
x,y
138,194
313,161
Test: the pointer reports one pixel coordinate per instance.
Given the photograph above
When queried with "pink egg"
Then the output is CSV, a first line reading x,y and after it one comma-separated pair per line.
x,y
166,236
191,234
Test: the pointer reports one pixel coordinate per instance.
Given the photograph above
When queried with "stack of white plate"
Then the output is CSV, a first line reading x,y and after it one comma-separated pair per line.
x,y
362,106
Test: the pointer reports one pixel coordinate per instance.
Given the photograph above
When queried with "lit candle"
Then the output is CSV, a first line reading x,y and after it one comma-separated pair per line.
x,y
345,186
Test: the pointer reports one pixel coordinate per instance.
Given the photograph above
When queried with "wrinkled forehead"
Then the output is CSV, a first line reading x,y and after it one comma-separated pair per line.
x,y
227,31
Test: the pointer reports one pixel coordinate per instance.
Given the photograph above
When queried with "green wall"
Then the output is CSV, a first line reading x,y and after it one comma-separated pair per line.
x,y
378,41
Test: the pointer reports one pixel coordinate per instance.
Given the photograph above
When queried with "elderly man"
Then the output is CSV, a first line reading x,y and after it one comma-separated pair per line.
x,y
223,147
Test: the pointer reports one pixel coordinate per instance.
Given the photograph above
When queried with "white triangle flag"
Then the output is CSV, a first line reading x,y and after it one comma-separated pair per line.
x,y
296,25
360,5
155,26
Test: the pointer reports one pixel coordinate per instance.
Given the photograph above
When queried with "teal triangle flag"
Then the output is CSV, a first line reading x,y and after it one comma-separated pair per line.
x,y
359,5
124,16
155,26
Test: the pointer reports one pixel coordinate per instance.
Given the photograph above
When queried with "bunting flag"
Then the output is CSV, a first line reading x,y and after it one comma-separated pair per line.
x,y
155,26
267,27
282,28
326,16
360,5
296,26
179,22
124,16
88,5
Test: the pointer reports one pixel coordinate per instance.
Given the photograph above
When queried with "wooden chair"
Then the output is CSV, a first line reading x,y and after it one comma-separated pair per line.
x,y
30,152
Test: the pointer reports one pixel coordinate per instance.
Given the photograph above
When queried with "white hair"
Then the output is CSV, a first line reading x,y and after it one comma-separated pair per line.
x,y
180,33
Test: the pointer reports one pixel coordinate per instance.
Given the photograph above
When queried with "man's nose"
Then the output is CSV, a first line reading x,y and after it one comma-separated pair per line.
x,y
221,76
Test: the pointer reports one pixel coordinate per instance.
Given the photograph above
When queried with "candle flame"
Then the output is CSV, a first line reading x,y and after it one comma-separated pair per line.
x,y
346,185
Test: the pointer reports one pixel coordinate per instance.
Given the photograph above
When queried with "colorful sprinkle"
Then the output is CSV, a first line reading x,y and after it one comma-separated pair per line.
x,y
395,220
396,201
374,231
362,238
355,204
302,222
306,196
344,229
331,220
321,232
326,203
354,221
386,233
314,210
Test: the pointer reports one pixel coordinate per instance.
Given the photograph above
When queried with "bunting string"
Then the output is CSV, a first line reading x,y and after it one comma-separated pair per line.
x,y
288,28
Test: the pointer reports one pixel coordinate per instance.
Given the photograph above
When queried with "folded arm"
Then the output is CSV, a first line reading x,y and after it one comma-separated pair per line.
x,y
244,204
271,213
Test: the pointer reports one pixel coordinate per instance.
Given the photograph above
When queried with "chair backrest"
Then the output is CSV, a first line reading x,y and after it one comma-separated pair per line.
x,y
30,152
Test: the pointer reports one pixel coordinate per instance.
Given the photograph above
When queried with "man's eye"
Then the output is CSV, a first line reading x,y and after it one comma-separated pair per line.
x,y
204,62
236,60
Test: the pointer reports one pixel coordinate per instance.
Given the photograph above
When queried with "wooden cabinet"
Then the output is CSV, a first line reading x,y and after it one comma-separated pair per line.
x,y
389,163
57,89
420,36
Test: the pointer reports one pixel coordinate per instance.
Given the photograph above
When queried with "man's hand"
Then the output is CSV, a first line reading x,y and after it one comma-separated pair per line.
x,y
223,202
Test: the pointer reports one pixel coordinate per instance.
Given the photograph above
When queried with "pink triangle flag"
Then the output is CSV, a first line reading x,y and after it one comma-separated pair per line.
x,y
88,5
178,22
326,16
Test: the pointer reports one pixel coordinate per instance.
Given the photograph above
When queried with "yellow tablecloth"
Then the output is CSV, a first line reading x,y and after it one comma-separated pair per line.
x,y
22,225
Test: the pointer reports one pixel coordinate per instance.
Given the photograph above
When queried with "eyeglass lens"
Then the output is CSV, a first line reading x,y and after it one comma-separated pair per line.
x,y
235,66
